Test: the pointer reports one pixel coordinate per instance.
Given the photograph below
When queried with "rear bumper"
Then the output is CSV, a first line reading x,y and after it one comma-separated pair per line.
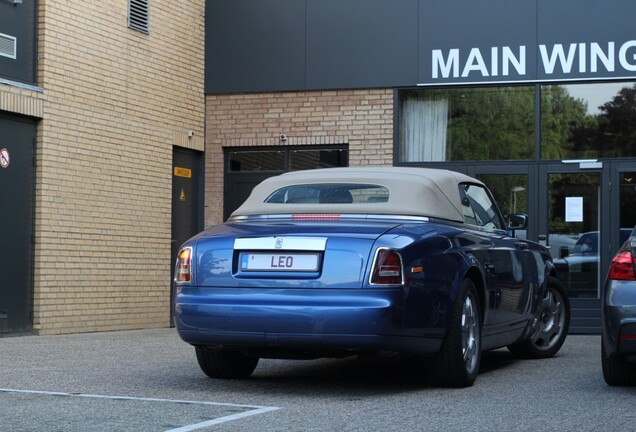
x,y
619,318
619,334
303,320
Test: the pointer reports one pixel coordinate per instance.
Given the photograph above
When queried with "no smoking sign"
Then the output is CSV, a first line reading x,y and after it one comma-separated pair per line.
x,y
4,158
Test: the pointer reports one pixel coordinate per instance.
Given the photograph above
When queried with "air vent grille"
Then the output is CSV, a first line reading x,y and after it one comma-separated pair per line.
x,y
138,15
8,46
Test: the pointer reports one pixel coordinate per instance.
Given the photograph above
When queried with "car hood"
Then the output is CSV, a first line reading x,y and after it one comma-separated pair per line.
x,y
344,251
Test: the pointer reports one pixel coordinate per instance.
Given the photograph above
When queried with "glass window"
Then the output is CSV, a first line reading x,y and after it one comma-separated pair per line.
x,y
573,230
490,123
479,208
627,207
584,121
329,193
509,190
273,160
318,158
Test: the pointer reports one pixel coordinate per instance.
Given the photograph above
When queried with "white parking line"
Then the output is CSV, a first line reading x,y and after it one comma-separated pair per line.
x,y
253,409
223,419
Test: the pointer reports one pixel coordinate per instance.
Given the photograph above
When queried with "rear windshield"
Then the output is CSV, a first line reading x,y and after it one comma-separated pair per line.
x,y
329,193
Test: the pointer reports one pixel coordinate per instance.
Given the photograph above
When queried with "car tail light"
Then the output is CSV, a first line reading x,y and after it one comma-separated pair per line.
x,y
387,268
184,265
622,267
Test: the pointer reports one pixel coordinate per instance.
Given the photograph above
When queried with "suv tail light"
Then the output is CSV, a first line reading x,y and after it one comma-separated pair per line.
x,y
184,265
387,268
622,267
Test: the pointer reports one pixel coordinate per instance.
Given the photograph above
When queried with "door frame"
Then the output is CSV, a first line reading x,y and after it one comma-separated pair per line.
x,y
574,167
586,317
194,161
615,168
610,199
17,294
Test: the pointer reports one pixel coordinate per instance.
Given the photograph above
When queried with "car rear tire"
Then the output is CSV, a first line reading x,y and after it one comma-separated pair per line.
x,y
616,370
457,363
551,324
225,363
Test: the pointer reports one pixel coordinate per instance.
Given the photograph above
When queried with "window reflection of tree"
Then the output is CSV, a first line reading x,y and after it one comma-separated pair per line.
x,y
491,123
568,130
497,123
509,191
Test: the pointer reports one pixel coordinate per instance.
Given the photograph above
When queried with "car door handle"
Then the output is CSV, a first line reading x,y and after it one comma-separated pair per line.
x,y
491,270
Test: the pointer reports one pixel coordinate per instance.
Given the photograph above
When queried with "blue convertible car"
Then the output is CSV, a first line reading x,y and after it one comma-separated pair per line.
x,y
345,261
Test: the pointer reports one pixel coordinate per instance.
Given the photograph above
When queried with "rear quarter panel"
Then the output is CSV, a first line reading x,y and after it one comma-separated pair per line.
x,y
435,263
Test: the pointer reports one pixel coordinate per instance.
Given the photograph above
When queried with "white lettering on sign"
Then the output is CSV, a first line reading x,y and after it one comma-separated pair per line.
x,y
449,66
572,58
557,56
5,160
623,58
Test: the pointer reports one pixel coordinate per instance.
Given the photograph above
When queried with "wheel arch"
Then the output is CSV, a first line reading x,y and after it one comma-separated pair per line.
x,y
550,270
476,277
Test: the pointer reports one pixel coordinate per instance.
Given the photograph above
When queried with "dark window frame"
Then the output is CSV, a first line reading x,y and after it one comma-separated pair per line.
x,y
288,152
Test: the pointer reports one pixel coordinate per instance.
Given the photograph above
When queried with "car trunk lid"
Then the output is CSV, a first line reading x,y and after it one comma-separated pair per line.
x,y
287,254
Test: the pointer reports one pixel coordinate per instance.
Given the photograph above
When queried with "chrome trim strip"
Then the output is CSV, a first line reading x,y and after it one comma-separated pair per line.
x,y
342,217
281,243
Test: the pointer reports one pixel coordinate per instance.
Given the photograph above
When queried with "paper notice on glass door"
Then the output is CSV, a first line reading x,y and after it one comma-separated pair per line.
x,y
574,209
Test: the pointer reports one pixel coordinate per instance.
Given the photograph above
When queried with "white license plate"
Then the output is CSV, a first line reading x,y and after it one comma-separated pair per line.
x,y
279,262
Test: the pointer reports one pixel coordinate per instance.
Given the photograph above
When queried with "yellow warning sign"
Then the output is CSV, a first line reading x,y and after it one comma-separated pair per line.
x,y
183,172
182,196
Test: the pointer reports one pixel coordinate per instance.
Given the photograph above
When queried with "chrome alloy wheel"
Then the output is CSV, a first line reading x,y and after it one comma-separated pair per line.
x,y
549,324
470,334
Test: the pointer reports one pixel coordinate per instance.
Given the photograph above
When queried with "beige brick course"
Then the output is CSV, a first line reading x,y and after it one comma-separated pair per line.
x,y
112,104
361,118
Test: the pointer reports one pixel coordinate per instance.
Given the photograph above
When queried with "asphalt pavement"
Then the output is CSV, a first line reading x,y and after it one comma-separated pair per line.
x,y
148,380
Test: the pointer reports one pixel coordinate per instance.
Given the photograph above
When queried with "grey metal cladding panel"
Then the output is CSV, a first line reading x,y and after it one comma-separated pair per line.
x,y
18,20
254,45
466,24
592,21
361,43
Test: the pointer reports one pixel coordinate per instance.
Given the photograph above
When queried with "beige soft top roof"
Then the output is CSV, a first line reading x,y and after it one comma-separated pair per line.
x,y
412,192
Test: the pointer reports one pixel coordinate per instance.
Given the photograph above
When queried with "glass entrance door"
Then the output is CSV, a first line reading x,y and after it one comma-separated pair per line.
x,y
574,224
582,211
573,230
587,210
622,207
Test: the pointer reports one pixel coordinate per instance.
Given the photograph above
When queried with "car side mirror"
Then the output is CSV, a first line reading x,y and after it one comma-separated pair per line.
x,y
517,221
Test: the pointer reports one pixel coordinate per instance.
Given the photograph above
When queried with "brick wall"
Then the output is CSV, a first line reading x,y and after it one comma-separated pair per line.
x,y
115,102
361,118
